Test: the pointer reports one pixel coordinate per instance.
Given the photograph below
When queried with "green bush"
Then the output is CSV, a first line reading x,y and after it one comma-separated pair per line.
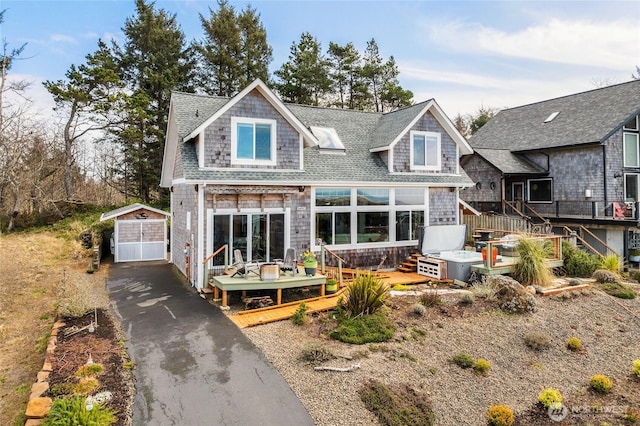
x,y
431,298
550,396
500,415
300,315
316,353
600,383
462,360
397,406
574,344
73,411
364,295
531,268
612,262
579,263
636,368
364,329
481,366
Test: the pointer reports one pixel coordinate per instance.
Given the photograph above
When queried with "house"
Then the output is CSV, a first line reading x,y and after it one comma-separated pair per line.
x,y
262,176
573,162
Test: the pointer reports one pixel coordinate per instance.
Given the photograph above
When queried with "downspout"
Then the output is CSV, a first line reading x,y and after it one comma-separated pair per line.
x,y
604,174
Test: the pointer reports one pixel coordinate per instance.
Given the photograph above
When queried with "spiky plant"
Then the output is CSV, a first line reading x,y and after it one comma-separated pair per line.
x,y
531,268
365,295
613,263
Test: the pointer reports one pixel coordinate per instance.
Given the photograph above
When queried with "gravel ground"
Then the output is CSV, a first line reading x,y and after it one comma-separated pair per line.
x,y
610,336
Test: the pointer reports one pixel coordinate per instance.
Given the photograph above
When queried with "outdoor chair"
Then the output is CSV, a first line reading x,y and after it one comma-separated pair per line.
x,y
243,268
289,263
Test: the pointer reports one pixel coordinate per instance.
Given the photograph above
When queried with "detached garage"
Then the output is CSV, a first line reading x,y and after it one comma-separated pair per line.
x,y
140,233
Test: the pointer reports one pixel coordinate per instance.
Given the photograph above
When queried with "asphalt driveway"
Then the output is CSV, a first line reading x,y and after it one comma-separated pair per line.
x,y
193,366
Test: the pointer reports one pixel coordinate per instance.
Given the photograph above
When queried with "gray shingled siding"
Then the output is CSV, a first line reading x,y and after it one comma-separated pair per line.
x,y
442,206
184,200
615,161
402,150
217,136
481,171
178,171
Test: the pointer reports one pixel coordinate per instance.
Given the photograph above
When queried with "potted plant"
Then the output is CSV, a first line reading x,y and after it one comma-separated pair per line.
x,y
331,286
634,255
310,263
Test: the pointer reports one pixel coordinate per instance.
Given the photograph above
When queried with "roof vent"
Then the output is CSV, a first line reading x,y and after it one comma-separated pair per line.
x,y
551,117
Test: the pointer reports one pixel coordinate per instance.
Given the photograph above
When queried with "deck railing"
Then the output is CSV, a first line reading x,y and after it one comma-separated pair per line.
x,y
490,261
323,251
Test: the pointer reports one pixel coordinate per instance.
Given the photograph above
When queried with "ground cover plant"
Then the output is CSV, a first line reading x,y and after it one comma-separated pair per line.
x,y
399,405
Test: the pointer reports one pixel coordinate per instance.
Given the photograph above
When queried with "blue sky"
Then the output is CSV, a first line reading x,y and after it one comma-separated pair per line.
x,y
462,53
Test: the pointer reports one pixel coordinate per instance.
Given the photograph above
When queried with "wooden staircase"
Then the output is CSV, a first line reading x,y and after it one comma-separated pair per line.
x,y
411,264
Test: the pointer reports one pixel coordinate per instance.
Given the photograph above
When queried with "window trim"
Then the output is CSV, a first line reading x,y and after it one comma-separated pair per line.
x,y
635,120
624,149
234,141
529,184
426,167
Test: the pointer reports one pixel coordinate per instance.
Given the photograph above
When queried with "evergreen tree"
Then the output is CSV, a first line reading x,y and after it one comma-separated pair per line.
x,y
86,97
346,74
153,61
234,51
304,78
385,91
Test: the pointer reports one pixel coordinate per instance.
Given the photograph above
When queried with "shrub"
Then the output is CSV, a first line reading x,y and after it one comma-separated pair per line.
x,y
467,299
636,367
364,295
537,341
482,366
531,268
418,309
300,315
483,289
500,415
431,298
618,290
73,411
579,263
397,406
364,329
89,370
605,276
574,344
462,360
550,396
86,386
61,389
600,383
612,263
76,297
316,353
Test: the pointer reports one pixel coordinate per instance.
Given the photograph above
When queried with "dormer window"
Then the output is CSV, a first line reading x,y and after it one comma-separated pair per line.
x,y
425,151
253,141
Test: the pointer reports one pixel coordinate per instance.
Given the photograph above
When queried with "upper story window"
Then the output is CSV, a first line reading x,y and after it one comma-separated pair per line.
x,y
425,151
253,141
631,140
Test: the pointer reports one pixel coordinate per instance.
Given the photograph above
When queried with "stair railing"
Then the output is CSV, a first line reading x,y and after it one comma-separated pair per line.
x,y
323,251
207,260
569,231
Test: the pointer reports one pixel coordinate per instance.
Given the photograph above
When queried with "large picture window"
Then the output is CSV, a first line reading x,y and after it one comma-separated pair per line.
x,y
540,190
259,236
425,151
351,216
253,141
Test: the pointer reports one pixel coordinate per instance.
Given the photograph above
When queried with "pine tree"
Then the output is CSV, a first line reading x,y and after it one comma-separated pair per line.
x,y
153,61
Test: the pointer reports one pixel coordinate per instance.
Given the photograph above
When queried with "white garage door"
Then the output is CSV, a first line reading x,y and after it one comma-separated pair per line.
x,y
137,240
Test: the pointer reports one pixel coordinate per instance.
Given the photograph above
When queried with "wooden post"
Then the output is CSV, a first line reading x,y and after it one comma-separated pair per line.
x,y
224,298
216,292
279,296
339,274
322,288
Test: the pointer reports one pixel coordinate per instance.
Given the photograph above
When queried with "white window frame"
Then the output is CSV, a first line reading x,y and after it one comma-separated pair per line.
x,y
635,120
234,141
426,135
624,148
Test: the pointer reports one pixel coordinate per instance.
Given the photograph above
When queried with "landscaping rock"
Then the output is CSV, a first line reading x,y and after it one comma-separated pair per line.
x,y
37,389
606,276
37,408
511,296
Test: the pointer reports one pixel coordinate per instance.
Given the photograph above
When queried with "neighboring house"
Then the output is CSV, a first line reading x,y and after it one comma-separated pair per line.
x,y
573,160
262,176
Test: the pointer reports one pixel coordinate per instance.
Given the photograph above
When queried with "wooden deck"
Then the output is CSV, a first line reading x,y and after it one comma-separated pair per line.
x,y
317,304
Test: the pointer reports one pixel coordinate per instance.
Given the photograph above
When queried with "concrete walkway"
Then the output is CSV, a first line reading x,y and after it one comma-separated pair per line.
x,y
193,366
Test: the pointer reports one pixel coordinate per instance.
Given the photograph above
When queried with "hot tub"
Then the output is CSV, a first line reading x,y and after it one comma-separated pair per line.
x,y
459,263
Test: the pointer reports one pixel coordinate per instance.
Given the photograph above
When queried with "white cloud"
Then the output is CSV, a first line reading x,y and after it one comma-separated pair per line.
x,y
613,44
61,38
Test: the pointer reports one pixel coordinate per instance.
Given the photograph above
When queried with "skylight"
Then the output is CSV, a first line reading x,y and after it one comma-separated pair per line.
x,y
328,138
551,117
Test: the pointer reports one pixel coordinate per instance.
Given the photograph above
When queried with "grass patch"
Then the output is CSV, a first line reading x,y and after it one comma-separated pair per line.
x,y
462,360
618,290
397,406
73,411
364,329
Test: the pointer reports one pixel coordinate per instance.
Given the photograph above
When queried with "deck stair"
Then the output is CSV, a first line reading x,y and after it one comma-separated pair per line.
x,y
411,264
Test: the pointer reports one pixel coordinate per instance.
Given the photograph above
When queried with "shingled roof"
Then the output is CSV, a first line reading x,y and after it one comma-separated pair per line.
x,y
359,132
583,118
